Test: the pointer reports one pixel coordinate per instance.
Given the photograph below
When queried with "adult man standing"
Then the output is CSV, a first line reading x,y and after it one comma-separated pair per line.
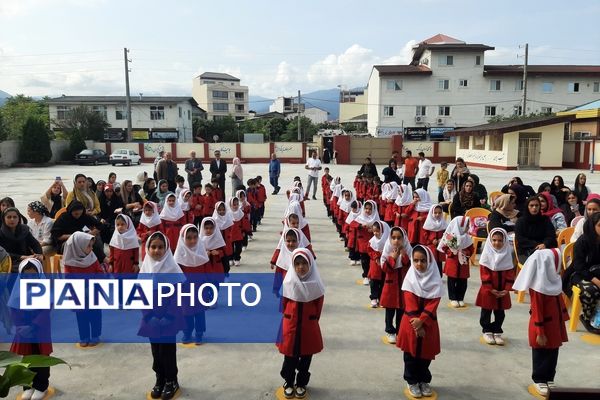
x,y
411,165
426,169
167,169
313,165
193,167
274,171
218,168
160,156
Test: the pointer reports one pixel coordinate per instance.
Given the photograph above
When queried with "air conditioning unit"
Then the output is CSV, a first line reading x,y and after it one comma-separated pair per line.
x,y
419,118
440,121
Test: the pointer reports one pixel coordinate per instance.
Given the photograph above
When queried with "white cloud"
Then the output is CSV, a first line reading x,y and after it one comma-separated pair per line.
x,y
13,8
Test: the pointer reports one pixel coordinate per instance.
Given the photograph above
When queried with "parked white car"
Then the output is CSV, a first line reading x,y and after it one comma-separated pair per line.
x,y
125,157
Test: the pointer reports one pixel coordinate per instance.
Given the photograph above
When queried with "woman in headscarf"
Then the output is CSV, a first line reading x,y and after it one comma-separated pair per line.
x,y
148,189
392,173
368,168
447,195
480,191
55,197
132,201
580,189
464,200
160,194
237,175
109,203
82,194
518,181
592,206
533,231
520,194
460,173
8,202
559,190
100,188
572,208
17,240
505,214
40,225
548,209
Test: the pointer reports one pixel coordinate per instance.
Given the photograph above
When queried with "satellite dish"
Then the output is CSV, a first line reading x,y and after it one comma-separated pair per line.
x,y
216,138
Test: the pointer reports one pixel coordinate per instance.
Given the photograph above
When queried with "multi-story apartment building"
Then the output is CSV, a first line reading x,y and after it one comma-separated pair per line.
x,y
161,118
448,85
221,95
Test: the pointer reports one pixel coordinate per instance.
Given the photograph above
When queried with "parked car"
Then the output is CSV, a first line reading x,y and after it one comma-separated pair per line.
x,y
125,157
91,156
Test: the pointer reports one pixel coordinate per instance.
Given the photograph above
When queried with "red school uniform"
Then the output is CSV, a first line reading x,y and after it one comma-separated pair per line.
x,y
261,194
430,236
227,237
122,261
399,220
363,235
252,197
301,334
453,268
237,233
93,268
208,204
426,310
391,294
144,233
548,316
197,205
21,345
415,231
499,280
215,265
246,226
375,270
171,230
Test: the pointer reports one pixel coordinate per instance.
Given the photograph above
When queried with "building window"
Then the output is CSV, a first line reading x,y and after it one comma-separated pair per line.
x,y
102,110
596,87
239,96
546,110
180,112
446,60
443,84
495,85
121,113
547,87
496,142
239,108
463,83
189,114
463,142
490,111
519,85
388,111
444,111
157,112
392,84
478,142
209,82
62,112
477,60
220,107
517,110
573,87
219,94
421,111
219,117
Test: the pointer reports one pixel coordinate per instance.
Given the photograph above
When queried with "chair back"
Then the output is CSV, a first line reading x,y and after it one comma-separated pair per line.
x,y
60,212
564,236
575,220
477,212
494,196
567,256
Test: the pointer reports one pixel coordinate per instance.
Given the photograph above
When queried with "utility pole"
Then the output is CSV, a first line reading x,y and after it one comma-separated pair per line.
x,y
299,128
524,111
127,97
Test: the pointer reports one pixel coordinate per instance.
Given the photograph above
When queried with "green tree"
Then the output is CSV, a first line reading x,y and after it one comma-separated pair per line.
x,y
17,110
308,129
516,117
276,127
17,369
89,124
77,144
35,142
3,132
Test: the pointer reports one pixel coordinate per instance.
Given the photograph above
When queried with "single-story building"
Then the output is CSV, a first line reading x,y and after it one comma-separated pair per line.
x,y
530,143
581,145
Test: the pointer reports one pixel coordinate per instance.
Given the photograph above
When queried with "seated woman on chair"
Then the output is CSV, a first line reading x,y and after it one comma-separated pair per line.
x,y
533,231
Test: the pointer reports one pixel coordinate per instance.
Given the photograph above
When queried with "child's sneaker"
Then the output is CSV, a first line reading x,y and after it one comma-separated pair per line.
x,y
236,263
488,337
231,263
414,390
351,262
461,303
498,339
391,338
426,389
250,238
300,392
288,391
26,395
454,303
374,303
366,281
157,390
541,388
38,395
244,248
170,390
186,339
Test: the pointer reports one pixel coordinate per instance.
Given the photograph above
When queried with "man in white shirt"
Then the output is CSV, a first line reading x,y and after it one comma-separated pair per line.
x,y
425,171
313,165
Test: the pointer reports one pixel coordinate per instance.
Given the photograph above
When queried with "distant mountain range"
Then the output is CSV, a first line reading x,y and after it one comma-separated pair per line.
x,y
328,100
3,97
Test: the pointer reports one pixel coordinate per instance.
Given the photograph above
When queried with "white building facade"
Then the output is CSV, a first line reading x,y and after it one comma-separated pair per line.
x,y
221,95
288,106
448,85
160,118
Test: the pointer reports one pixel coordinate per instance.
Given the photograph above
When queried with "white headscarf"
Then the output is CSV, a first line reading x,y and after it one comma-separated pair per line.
x,y
405,197
236,215
345,204
448,196
497,260
302,241
388,248
185,205
152,221
365,219
424,203
337,191
428,284
74,252
294,197
334,182
223,221
298,186
389,191
171,213
237,168
14,301
307,288
214,241
378,244
353,215
127,240
456,237
166,265
190,256
541,273
435,225
294,207
284,259
243,203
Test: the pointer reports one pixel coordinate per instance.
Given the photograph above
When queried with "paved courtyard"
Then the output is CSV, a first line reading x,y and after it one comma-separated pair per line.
x,y
355,364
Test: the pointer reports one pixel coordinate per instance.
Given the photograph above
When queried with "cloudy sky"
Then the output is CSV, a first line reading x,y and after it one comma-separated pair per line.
x,y
75,47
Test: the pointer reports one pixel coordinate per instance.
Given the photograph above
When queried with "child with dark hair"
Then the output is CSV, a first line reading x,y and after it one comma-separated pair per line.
x,y
261,198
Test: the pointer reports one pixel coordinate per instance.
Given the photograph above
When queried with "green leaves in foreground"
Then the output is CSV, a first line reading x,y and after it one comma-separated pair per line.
x,y
17,369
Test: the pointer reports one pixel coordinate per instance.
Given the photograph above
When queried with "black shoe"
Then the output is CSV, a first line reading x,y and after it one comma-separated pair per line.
x,y
187,338
588,326
170,390
288,391
300,392
157,390
277,190
198,340
314,197
273,193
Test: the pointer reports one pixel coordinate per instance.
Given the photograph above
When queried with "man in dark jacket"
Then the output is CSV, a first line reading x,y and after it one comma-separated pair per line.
x,y
218,168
